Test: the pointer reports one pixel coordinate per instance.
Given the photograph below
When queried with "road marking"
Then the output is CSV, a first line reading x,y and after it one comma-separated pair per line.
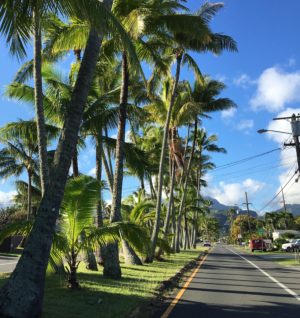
x,y
3,264
288,290
183,289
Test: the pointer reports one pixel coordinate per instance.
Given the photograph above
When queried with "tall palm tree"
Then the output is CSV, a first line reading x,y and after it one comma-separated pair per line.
x,y
30,271
197,37
20,152
17,23
204,98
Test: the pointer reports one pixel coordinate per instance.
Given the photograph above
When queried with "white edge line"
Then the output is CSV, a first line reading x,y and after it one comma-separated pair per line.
x,y
288,290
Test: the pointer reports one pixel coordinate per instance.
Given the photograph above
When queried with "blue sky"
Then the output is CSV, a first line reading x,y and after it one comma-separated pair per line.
x,y
263,78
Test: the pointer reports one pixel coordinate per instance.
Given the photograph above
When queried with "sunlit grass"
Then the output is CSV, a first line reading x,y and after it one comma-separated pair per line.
x,y
289,262
100,297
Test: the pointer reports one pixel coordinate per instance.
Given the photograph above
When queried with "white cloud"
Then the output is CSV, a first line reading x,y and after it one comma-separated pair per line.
x,y
221,78
92,172
287,156
245,124
234,193
7,196
276,89
229,113
243,80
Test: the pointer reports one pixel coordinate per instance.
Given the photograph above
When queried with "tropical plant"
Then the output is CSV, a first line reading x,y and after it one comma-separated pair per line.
x,y
195,36
30,272
20,152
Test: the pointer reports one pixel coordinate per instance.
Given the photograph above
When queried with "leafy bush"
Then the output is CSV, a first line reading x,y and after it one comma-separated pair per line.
x,y
278,242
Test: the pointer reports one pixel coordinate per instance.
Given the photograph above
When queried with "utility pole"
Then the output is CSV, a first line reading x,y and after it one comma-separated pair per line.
x,y
295,123
283,200
248,213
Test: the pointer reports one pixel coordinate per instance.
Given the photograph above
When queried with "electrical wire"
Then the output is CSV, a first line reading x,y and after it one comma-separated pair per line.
x,y
278,192
252,170
230,164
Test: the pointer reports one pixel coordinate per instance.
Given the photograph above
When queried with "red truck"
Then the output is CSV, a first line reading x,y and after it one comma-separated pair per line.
x,y
258,244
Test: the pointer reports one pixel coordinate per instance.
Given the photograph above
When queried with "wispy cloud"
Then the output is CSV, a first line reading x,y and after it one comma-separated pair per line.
x,y
288,156
228,114
244,81
245,125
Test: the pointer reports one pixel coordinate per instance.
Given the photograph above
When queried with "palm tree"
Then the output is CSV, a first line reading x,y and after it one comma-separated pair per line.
x,y
17,23
204,98
20,152
30,271
197,37
76,231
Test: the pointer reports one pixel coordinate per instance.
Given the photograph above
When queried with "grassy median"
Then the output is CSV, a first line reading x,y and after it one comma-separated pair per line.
x,y
100,297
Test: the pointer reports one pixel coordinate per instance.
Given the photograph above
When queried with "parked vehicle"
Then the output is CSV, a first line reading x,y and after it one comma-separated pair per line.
x,y
258,244
292,246
207,243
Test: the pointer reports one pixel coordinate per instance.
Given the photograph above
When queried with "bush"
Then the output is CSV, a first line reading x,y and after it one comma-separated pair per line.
x,y
278,242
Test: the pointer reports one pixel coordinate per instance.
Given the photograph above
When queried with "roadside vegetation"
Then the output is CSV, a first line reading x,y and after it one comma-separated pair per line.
x,y
150,128
138,286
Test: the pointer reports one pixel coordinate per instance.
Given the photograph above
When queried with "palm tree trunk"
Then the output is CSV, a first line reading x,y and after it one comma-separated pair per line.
x,y
161,163
130,256
26,302
112,267
75,164
108,172
184,154
38,99
152,190
99,151
108,154
182,201
29,191
170,205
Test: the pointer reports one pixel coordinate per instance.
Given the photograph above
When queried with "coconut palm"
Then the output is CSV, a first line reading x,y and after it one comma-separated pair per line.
x,y
76,231
20,152
203,98
30,271
197,38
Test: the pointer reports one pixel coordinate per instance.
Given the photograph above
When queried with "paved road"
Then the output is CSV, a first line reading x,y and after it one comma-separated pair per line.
x,y
228,286
7,263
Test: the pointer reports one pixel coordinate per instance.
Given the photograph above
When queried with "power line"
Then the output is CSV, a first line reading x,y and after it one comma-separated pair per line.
x,y
279,192
227,165
251,170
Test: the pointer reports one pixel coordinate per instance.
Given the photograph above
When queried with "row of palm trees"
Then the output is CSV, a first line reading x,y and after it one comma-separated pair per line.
x,y
105,89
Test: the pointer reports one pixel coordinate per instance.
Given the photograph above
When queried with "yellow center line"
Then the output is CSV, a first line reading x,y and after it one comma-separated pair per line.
x,y
184,288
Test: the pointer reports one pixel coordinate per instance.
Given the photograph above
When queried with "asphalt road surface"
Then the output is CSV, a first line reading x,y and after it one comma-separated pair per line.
x,y
231,284
7,263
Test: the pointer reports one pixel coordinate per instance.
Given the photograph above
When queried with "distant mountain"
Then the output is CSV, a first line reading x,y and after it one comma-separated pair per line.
x,y
217,206
219,211
293,208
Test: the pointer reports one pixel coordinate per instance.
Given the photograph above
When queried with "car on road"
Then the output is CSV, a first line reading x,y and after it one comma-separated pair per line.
x,y
291,246
207,243
258,244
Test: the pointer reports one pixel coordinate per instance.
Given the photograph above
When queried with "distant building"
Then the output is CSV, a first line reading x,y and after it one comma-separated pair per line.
x,y
278,233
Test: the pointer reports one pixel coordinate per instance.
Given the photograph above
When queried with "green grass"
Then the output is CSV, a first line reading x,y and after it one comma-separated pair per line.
x,y
283,261
100,297
289,262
